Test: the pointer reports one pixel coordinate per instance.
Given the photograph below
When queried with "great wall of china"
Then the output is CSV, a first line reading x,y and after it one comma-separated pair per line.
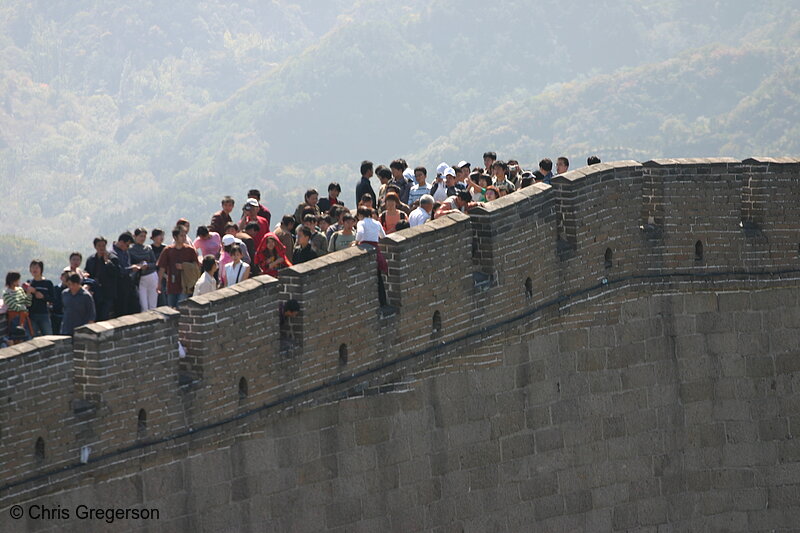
x,y
620,350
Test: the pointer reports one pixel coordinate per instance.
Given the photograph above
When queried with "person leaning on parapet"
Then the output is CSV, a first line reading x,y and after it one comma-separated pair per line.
x,y
104,268
546,169
421,214
223,216
79,308
364,186
499,168
263,212
271,255
207,282
303,252
345,237
562,165
325,204
171,265
592,160
237,270
461,201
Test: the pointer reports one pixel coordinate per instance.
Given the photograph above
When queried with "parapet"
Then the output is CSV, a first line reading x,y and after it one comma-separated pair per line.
x,y
166,375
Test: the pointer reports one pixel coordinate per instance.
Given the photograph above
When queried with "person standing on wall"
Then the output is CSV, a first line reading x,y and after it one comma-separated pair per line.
x,y
104,268
17,299
79,309
42,300
170,266
325,204
263,212
127,300
143,262
237,270
364,186
223,216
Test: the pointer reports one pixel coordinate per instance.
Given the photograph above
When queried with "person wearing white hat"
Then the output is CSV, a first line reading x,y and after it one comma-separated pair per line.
x,y
441,191
250,214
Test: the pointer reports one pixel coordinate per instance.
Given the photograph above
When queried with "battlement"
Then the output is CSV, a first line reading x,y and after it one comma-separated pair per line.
x,y
123,384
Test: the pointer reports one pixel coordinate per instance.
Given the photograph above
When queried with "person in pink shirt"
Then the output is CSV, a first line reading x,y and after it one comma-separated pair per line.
x,y
207,242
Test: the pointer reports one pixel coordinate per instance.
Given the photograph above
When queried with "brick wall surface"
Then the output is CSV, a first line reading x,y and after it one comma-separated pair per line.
x,y
665,416
534,261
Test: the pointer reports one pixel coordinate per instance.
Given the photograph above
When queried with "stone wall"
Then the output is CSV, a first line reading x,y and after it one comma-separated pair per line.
x,y
559,260
678,411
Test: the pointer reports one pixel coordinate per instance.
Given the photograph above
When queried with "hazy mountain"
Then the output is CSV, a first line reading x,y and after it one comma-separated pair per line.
x,y
115,115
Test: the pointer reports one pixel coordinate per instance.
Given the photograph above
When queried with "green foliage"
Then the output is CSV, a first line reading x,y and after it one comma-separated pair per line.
x,y
119,115
16,254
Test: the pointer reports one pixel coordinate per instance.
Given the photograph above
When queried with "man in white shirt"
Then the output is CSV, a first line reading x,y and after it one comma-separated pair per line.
x,y
421,214
368,229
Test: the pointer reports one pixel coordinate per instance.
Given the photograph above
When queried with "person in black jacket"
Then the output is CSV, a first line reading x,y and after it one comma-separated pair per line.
x,y
364,186
303,251
104,267
42,300
325,204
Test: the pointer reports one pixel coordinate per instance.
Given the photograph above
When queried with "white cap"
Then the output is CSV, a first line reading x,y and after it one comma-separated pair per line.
x,y
227,240
252,202
441,168
408,174
450,172
462,164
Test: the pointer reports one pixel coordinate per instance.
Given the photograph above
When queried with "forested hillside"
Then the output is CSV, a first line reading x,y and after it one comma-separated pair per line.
x,y
119,114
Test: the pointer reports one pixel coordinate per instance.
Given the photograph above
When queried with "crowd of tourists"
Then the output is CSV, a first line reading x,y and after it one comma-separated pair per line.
x,y
132,275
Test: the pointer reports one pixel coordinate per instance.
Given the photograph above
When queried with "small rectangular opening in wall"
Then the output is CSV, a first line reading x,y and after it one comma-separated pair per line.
x,y
481,281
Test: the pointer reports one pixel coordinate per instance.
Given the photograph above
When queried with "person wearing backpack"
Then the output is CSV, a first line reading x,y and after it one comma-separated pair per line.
x,y
345,237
